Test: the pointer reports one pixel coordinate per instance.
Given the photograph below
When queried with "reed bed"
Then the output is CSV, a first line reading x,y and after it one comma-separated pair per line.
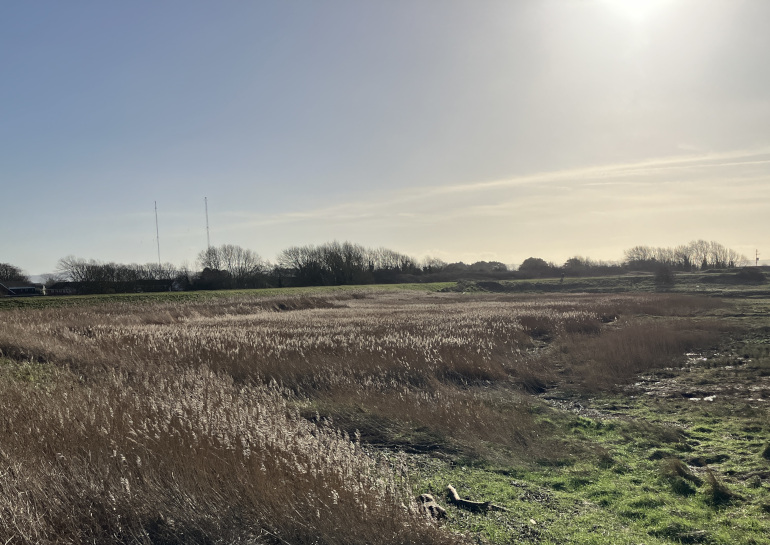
x,y
230,420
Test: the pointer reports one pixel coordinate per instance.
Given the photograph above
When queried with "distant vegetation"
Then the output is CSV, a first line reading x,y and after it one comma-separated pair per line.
x,y
335,264
697,255
12,273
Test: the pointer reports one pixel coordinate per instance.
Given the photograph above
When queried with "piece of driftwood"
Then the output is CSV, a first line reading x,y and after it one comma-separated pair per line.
x,y
470,505
429,506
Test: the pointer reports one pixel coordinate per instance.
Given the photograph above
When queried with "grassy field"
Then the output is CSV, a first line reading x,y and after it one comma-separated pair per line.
x,y
590,411
191,296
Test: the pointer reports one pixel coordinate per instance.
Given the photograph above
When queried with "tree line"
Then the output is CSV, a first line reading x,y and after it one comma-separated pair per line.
x,y
697,255
92,276
232,267
11,273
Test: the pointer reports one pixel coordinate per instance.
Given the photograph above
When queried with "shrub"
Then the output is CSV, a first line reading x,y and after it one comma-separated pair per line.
x,y
664,276
751,274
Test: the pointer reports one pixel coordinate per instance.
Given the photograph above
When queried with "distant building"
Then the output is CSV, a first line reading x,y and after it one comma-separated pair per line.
x,y
20,289
62,288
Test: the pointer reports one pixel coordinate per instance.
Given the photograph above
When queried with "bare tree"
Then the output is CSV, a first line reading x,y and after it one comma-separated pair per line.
x,y
697,254
13,273
700,253
640,255
210,259
683,256
304,263
735,259
50,279
73,268
241,263
664,256
344,263
242,266
433,265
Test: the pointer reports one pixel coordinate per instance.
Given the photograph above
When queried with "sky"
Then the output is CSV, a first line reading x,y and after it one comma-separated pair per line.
x,y
462,130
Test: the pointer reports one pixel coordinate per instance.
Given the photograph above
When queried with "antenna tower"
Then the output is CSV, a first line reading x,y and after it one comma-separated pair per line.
x,y
756,258
208,239
157,233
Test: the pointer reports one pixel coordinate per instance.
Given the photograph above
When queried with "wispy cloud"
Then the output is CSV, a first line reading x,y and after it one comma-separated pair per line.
x,y
643,183
760,156
597,211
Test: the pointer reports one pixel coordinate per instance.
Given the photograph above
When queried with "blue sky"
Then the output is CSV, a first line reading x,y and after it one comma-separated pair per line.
x,y
465,130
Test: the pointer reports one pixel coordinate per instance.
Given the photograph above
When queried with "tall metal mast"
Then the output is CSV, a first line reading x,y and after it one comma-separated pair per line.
x,y
157,232
208,240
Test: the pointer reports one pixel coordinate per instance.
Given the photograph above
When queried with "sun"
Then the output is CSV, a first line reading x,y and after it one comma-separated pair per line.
x,y
636,11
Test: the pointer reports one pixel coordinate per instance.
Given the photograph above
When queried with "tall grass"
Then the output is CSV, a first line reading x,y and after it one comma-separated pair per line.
x,y
188,457
614,358
194,422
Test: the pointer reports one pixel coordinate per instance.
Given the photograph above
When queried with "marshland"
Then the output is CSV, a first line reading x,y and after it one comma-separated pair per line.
x,y
319,416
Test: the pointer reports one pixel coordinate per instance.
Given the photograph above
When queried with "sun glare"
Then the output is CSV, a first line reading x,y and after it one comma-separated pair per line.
x,y
636,11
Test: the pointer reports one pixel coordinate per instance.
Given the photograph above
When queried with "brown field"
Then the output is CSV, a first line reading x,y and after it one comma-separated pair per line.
x,y
280,420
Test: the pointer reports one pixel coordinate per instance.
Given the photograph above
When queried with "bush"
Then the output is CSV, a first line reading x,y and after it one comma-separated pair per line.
x,y
751,274
664,276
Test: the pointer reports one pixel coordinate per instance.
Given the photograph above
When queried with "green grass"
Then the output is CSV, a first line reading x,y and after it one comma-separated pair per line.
x,y
717,285
720,284
619,496
642,469
189,296
28,373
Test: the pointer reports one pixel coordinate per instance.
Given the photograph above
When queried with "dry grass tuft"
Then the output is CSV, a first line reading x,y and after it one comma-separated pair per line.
x,y
717,493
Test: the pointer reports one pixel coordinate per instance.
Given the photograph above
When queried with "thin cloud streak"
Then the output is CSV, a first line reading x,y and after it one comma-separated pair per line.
x,y
581,180
597,211
635,168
